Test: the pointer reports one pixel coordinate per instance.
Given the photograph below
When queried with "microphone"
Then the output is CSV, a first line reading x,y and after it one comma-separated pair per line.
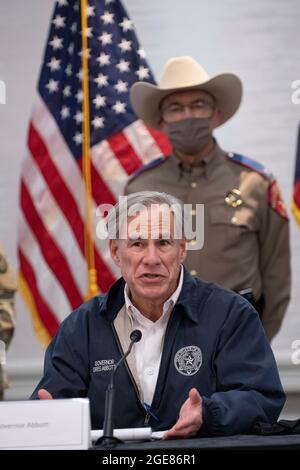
x,y
108,438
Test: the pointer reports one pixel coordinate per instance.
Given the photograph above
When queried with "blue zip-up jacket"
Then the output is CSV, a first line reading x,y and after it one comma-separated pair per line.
x,y
214,342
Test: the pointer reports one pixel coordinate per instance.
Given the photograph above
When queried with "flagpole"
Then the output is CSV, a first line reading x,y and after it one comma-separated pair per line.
x,y
88,226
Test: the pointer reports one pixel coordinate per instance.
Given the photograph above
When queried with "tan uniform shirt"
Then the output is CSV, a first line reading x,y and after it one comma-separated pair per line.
x,y
245,246
7,309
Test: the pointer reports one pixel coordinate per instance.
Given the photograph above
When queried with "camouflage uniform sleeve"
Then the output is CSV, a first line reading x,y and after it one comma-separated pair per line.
x,y
7,309
7,291
275,261
7,319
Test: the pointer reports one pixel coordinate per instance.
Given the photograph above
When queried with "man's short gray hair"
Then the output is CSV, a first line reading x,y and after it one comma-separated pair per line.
x,y
136,202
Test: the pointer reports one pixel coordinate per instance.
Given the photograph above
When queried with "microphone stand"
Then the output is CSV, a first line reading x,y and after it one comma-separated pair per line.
x,y
108,439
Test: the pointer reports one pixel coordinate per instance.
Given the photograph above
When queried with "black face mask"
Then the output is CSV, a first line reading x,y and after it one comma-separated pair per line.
x,y
189,136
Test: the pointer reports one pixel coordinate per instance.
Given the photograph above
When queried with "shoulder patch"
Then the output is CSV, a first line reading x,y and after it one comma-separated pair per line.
x,y
275,200
147,167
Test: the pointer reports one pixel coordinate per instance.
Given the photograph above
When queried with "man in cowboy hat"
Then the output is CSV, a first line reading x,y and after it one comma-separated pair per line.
x,y
246,229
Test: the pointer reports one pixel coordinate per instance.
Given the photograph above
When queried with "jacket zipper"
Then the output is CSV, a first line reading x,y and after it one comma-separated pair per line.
x,y
147,416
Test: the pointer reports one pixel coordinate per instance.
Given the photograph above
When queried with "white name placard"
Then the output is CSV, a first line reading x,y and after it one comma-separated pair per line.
x,y
45,424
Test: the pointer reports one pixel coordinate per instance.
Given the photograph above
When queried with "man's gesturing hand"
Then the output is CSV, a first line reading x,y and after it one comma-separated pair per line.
x,y
44,394
190,418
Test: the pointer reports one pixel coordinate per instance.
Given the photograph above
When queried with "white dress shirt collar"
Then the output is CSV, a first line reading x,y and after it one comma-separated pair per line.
x,y
167,307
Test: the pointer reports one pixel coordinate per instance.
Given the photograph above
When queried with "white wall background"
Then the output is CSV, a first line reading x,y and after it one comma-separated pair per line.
x,y
258,40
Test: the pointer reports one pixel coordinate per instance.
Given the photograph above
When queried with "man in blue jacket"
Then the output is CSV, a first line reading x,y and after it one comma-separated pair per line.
x,y
203,365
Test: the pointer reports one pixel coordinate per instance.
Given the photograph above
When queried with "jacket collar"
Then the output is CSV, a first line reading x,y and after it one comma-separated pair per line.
x,y
206,166
193,295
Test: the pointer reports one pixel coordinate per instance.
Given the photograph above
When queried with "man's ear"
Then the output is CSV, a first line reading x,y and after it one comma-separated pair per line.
x,y
183,251
114,251
215,120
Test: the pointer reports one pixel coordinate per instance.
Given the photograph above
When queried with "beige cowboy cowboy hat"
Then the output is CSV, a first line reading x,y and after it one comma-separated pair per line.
x,y
180,74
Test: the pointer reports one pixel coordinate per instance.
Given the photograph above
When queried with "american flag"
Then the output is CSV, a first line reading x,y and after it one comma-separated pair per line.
x,y
53,277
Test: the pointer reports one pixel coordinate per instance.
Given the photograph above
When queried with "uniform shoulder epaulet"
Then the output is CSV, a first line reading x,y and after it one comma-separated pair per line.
x,y
251,164
275,200
147,167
